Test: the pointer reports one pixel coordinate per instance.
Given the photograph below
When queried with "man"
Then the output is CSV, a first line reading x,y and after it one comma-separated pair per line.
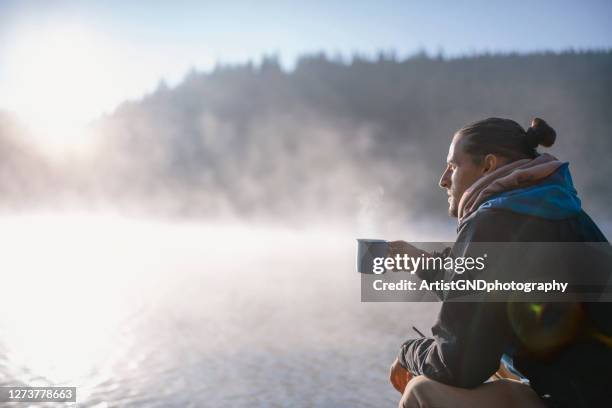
x,y
502,190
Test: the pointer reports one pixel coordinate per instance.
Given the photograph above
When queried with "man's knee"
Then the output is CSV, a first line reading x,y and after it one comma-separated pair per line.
x,y
421,392
418,392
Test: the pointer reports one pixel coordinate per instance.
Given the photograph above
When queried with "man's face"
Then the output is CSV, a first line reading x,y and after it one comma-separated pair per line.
x,y
460,173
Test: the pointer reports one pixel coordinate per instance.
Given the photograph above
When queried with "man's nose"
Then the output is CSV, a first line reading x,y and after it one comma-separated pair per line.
x,y
444,180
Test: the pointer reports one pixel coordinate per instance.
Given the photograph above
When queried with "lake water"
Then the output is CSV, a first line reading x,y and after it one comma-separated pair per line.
x,y
138,313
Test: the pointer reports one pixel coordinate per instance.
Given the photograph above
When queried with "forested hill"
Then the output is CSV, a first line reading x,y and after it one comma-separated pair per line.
x,y
333,138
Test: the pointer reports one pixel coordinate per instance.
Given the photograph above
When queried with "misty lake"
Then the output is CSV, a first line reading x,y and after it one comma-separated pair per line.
x,y
176,314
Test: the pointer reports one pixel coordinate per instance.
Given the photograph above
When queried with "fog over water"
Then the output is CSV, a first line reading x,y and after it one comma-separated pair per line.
x,y
194,314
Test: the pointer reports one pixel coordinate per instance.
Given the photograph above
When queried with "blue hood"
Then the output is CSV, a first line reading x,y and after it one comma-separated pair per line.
x,y
553,198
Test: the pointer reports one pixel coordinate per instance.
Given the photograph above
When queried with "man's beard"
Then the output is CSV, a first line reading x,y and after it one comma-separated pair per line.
x,y
453,209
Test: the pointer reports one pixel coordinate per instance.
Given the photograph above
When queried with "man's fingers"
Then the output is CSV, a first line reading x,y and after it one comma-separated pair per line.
x,y
398,380
393,377
397,385
395,248
400,385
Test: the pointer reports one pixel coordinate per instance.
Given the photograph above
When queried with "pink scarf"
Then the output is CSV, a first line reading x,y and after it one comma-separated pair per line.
x,y
518,174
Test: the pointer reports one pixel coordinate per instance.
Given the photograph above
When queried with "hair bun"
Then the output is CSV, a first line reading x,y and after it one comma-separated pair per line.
x,y
540,133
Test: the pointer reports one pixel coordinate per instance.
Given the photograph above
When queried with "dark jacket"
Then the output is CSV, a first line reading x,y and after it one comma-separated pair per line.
x,y
469,339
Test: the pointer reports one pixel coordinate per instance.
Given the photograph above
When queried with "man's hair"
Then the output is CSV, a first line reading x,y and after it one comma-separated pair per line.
x,y
505,138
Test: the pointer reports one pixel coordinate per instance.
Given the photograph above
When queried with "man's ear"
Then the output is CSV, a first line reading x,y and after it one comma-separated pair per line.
x,y
490,163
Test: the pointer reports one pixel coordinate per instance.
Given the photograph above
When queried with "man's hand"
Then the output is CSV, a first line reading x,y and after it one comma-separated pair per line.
x,y
403,248
399,376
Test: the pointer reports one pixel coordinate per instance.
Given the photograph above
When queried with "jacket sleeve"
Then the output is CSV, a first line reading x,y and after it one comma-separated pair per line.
x,y
468,338
466,347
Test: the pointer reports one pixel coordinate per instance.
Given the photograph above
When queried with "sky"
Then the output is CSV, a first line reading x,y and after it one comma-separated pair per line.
x,y
64,63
